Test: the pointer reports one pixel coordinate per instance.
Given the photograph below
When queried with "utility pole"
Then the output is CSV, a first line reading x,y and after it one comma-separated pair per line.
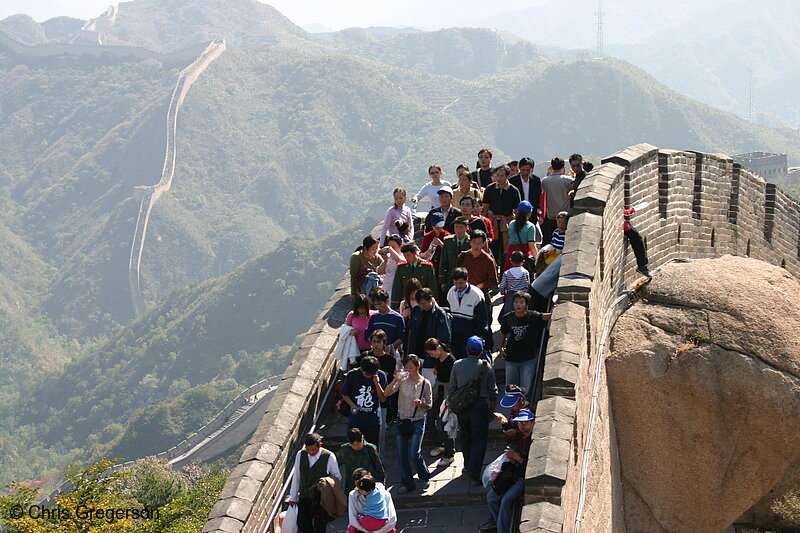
x,y
600,29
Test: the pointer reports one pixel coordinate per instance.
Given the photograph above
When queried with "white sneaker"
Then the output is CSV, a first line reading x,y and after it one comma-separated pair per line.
x,y
446,461
436,452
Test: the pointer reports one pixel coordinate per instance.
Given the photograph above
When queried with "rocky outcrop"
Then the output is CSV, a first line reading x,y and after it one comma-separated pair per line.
x,y
704,383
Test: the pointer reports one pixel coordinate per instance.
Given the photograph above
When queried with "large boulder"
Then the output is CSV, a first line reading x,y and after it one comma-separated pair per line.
x,y
704,385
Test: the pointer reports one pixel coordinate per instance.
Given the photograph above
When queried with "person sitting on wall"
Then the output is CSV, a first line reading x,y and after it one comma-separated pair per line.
x,y
501,500
514,400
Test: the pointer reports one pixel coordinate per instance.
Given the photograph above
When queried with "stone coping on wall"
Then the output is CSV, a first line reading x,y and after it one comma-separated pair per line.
x,y
252,488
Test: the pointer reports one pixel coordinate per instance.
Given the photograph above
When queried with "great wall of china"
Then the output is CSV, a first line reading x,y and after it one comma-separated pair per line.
x,y
701,205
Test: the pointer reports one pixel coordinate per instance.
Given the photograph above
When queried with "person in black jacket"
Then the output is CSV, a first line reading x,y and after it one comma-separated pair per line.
x,y
528,184
427,320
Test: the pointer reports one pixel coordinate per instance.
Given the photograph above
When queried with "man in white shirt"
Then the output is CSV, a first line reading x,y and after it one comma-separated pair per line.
x,y
311,464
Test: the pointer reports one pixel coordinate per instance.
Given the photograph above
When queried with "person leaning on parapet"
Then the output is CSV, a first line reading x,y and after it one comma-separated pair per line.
x,y
358,453
311,464
473,426
363,392
468,310
482,176
412,267
528,184
363,261
355,505
446,208
556,186
399,212
452,247
500,200
639,250
431,189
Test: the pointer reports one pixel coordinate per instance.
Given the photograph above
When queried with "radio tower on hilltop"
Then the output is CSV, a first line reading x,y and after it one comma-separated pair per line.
x,y
600,29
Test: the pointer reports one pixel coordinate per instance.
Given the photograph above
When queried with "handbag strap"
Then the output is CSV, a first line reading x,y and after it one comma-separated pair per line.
x,y
421,392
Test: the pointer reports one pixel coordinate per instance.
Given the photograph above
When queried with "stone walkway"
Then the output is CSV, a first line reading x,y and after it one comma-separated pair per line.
x,y
451,503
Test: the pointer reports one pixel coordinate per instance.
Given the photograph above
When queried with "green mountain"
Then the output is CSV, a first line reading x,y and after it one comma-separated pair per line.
x,y
166,25
24,28
184,359
714,64
465,53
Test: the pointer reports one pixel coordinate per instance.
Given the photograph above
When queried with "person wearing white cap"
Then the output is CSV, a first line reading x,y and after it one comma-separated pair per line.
x,y
445,208
502,496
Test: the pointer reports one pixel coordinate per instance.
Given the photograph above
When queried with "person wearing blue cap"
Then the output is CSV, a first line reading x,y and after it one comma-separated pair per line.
x,y
473,426
501,499
514,400
523,235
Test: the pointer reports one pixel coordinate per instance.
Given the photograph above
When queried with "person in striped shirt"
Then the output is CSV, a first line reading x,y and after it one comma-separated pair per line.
x,y
557,240
514,279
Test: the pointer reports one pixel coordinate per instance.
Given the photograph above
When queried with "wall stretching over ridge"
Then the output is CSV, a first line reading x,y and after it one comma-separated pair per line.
x,y
700,206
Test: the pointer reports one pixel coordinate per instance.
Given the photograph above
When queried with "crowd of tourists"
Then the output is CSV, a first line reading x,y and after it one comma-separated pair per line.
x,y
418,347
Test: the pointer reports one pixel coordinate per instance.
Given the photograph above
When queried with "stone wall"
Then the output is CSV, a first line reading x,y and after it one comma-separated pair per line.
x,y
255,485
700,205
117,52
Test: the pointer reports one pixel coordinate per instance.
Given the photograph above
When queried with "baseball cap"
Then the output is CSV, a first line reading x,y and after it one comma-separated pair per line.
x,y
524,207
474,344
446,188
437,220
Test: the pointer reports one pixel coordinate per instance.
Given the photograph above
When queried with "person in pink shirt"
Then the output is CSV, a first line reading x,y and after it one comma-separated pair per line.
x,y
399,212
358,318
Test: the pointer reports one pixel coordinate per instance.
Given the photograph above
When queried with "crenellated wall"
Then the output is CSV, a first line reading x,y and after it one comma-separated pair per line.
x,y
118,52
700,205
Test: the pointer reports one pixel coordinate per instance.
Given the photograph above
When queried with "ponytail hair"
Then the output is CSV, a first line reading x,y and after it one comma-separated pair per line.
x,y
434,344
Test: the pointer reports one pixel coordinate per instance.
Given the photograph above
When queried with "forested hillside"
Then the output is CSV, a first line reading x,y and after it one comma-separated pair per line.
x,y
154,382
286,138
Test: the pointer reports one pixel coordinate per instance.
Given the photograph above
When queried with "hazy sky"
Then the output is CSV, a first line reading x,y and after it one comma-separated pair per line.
x,y
563,23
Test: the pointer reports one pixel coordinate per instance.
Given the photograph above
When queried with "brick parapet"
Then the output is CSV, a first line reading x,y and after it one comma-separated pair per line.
x,y
699,205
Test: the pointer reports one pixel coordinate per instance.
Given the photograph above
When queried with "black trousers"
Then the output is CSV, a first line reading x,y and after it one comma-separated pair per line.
x,y
637,244
548,226
306,521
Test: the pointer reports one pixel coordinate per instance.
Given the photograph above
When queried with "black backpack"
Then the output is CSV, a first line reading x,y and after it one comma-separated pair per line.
x,y
461,399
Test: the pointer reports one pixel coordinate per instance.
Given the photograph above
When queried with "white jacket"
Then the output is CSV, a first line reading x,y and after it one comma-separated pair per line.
x,y
346,350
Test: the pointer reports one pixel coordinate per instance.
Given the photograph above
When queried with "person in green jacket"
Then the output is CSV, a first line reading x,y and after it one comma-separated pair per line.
x,y
452,247
412,267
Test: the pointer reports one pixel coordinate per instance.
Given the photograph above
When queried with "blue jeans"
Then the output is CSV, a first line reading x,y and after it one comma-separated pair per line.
x,y
501,506
473,432
522,373
409,451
